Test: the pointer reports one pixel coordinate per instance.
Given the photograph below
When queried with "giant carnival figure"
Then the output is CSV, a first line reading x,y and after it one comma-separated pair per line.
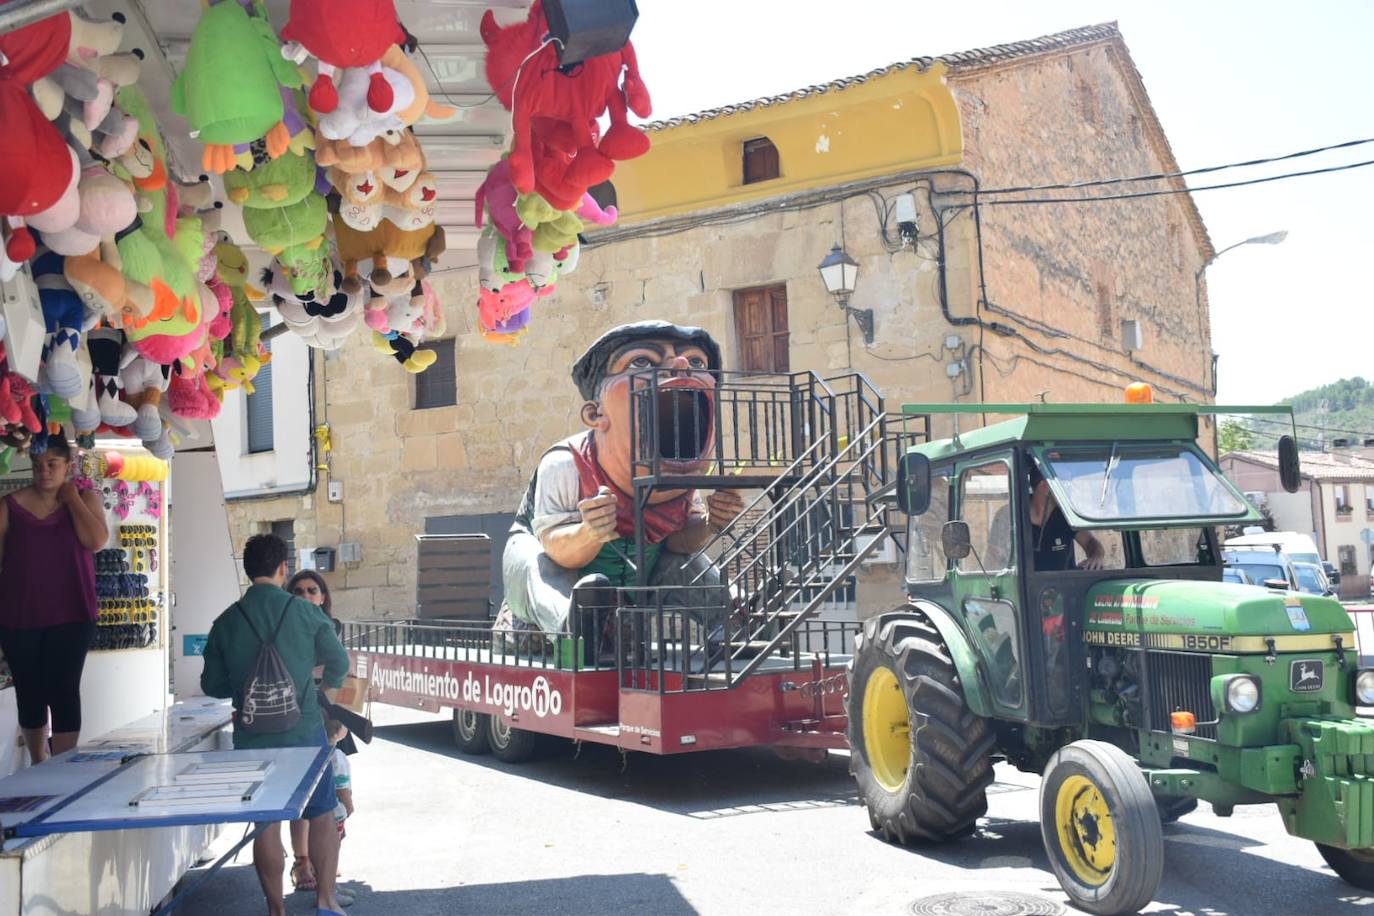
x,y
575,527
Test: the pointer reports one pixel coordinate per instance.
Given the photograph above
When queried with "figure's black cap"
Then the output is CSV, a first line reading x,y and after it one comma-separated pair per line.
x,y
591,367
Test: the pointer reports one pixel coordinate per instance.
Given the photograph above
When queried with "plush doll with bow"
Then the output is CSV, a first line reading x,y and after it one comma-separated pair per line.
x,y
229,89
564,107
344,33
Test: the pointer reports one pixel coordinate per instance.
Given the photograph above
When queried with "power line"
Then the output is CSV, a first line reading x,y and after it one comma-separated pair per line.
x,y
1162,192
1163,175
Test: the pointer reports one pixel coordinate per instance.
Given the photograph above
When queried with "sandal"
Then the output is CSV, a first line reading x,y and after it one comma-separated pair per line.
x,y
302,875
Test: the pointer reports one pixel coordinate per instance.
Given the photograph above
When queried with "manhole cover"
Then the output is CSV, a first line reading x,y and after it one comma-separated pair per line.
x,y
997,903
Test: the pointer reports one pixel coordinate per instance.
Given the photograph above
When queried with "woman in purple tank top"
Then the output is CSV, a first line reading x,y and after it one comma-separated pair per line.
x,y
49,532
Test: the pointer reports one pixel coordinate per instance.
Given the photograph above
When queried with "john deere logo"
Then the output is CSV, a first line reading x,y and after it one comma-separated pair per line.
x,y
1305,676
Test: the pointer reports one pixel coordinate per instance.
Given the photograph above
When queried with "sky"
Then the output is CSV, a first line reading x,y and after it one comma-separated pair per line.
x,y
1231,81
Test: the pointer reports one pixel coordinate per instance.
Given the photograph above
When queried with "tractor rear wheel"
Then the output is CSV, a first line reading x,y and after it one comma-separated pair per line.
x,y
508,744
471,732
1355,866
1101,828
920,756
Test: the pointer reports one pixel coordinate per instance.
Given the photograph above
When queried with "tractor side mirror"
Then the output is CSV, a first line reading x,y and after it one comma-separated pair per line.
x,y
913,484
1290,468
955,540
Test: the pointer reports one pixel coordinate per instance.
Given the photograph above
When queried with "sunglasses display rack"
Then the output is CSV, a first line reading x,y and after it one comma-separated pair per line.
x,y
130,580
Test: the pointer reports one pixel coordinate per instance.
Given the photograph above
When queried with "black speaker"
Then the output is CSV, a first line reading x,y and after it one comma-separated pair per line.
x,y
589,28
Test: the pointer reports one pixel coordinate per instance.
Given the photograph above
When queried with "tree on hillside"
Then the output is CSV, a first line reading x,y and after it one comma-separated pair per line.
x,y
1235,437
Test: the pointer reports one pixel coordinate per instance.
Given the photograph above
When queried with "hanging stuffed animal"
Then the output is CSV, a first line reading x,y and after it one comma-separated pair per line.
x,y
563,108
35,165
396,257
343,33
229,89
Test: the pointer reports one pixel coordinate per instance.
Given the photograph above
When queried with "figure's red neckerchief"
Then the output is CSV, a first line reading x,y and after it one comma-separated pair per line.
x,y
660,519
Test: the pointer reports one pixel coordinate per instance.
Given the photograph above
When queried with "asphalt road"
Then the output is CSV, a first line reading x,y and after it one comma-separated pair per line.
x,y
738,832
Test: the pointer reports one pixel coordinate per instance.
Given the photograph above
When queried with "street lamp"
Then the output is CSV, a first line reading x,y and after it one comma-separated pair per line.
x,y
840,273
1273,238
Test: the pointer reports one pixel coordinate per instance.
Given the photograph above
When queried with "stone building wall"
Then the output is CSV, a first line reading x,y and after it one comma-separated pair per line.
x,y
1063,116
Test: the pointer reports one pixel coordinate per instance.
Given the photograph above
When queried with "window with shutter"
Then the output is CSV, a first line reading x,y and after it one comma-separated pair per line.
x,y
258,405
437,386
761,326
286,530
760,160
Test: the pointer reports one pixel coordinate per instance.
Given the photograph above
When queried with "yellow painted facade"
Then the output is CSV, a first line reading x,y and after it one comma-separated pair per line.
x,y
902,120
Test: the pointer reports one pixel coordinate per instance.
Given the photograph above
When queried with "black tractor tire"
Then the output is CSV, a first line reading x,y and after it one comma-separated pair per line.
x,y
510,744
1086,782
934,786
1173,807
471,732
1355,866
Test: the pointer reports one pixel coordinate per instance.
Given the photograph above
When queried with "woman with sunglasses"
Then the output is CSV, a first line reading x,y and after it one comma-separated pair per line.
x,y
310,585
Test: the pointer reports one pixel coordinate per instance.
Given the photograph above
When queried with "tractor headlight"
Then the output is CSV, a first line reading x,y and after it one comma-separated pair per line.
x,y
1364,687
1241,694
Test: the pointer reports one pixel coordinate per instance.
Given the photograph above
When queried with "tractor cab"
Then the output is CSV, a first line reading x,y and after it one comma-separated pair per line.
x,y
1022,520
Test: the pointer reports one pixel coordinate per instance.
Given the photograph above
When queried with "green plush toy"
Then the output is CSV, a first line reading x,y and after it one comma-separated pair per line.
x,y
308,267
229,89
279,228
280,182
554,230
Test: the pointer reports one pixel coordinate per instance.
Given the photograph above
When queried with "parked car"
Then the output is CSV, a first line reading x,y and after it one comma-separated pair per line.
x,y
1236,575
1269,568
1312,579
1297,547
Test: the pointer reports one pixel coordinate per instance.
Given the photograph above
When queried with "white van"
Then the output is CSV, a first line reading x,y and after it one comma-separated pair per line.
x,y
1295,546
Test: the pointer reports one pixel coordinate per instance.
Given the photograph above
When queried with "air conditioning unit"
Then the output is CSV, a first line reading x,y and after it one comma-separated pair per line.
x,y
885,554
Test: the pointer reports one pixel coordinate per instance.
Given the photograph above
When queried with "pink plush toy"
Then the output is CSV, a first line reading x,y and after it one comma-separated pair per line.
x,y
106,206
497,308
498,194
591,212
220,326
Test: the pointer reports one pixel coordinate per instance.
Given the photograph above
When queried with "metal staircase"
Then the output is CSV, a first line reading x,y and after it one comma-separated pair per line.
x,y
821,454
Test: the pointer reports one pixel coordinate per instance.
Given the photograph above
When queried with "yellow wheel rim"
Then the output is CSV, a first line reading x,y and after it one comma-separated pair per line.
x,y
1086,833
887,729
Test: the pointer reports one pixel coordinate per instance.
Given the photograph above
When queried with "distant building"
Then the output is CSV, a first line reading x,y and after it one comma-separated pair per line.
x,y
723,225
1335,505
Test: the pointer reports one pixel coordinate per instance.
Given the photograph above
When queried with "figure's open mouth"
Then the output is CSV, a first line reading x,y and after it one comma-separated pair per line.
x,y
686,425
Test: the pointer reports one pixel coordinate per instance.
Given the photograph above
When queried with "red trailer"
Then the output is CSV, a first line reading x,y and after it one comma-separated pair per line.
x,y
737,662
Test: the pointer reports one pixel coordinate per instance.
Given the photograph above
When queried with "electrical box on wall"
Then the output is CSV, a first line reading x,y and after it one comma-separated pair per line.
x,y
336,491
351,552
1131,337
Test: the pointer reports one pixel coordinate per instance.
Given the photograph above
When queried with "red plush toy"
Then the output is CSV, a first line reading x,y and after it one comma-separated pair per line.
x,y
35,167
561,109
345,33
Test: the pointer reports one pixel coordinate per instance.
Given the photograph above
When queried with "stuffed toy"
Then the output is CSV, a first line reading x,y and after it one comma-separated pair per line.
x,y
106,207
191,395
321,324
143,381
573,100
64,211
63,319
506,332
277,228
354,121
80,94
367,199
398,148
394,258
106,346
499,308
344,33
222,321
103,288
497,196
35,169
280,182
229,88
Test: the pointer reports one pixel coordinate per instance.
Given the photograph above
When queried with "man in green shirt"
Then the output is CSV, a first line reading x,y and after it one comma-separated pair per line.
x,y
305,640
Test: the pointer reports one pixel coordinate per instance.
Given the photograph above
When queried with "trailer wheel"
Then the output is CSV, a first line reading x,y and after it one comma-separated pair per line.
x,y
1355,866
508,744
471,732
920,756
1173,807
1101,828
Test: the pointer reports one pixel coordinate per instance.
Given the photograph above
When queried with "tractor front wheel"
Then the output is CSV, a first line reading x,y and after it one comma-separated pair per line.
x,y
1101,828
920,756
1355,866
508,744
471,732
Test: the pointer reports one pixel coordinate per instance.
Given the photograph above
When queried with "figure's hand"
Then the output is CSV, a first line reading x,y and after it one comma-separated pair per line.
x,y
723,507
68,493
1091,563
598,515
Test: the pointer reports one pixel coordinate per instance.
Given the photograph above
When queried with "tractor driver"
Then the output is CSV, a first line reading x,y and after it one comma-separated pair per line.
x,y
576,525
1051,537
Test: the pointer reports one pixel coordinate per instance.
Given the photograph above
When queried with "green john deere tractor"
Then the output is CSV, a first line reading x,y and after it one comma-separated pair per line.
x,y
1137,686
